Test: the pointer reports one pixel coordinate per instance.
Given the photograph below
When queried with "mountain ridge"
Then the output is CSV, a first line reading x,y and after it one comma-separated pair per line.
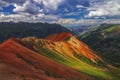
x,y
69,52
105,39
63,41
22,29
62,55
33,65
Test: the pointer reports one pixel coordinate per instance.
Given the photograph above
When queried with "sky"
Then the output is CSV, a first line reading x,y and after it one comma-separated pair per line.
x,y
65,12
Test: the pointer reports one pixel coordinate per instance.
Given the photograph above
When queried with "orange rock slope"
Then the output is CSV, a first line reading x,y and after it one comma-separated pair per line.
x,y
20,63
65,44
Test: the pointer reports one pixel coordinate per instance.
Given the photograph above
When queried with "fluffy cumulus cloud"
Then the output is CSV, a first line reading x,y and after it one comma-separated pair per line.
x,y
106,8
31,6
29,10
27,7
52,4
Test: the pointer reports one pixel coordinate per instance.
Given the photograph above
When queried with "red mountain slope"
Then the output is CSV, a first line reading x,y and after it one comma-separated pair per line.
x,y
59,37
72,45
20,63
64,43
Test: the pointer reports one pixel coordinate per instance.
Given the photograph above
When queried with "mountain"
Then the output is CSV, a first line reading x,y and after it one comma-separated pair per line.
x,y
66,49
64,43
105,40
24,29
56,57
20,63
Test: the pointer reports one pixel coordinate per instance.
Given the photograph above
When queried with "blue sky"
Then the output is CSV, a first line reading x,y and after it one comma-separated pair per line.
x,y
66,12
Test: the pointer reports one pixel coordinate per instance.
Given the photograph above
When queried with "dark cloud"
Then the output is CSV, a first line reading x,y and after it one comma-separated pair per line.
x,y
15,1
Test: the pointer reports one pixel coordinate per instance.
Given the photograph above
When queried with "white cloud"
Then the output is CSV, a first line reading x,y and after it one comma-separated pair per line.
x,y
31,6
67,21
30,11
33,11
27,7
107,8
80,6
50,4
51,17
38,1
74,22
24,17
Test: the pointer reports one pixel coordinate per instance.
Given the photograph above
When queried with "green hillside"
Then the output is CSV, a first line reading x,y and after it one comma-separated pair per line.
x,y
105,40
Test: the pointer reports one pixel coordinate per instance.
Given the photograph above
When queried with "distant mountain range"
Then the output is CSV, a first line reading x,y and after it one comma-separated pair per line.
x,y
81,28
105,40
24,29
54,56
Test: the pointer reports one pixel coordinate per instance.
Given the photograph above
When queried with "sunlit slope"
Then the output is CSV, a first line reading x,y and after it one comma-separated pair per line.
x,y
65,44
20,63
68,50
